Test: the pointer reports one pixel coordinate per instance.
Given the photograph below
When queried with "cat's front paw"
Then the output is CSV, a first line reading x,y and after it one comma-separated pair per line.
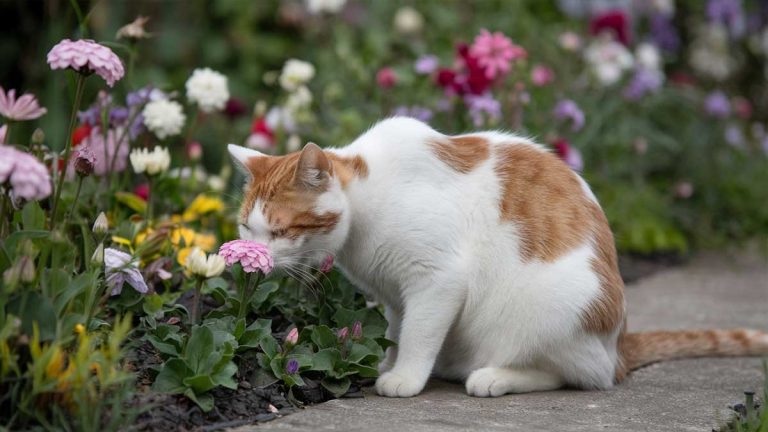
x,y
394,384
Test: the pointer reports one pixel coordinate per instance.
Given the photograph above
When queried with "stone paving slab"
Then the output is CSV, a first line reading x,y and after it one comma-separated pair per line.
x,y
713,291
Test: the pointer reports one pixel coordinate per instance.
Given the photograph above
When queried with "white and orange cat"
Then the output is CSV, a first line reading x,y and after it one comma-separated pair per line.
x,y
493,259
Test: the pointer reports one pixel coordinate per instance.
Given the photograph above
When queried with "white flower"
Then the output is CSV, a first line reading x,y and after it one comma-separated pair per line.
x,y
101,225
664,7
296,73
570,41
154,162
164,117
208,89
301,98
278,118
330,6
710,52
216,183
648,56
198,265
408,20
293,143
608,60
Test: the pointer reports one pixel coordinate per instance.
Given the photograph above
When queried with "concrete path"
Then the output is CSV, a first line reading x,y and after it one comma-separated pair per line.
x,y
688,395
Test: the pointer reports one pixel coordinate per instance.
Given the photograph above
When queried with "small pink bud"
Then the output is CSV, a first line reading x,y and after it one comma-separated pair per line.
x,y
386,78
327,264
357,330
194,151
292,337
343,334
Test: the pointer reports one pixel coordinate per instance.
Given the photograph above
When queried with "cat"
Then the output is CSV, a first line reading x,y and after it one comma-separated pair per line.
x,y
493,259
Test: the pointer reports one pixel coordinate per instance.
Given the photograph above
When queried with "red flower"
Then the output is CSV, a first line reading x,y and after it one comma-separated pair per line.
x,y
615,21
386,78
142,191
80,133
260,126
682,79
476,78
234,108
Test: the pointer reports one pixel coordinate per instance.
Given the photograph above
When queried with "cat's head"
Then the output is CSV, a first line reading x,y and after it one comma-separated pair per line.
x,y
294,204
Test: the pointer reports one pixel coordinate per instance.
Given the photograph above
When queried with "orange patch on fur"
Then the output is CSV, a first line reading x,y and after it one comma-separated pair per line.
x,y
462,153
348,168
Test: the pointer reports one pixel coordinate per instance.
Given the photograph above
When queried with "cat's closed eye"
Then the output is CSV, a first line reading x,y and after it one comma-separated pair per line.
x,y
279,232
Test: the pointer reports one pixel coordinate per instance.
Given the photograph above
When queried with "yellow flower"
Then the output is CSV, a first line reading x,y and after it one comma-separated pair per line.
x,y
182,255
55,366
206,242
79,328
142,235
182,236
202,205
123,241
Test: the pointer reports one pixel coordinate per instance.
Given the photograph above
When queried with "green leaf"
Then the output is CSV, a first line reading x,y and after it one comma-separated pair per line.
x,y
263,378
132,201
36,309
204,401
32,216
214,283
199,383
76,287
365,371
269,346
323,337
325,360
223,377
164,347
336,386
263,291
276,366
171,377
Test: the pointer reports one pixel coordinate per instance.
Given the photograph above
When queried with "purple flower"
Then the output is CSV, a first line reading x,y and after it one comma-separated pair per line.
x,y
729,13
104,150
479,105
253,256
86,56
418,112
426,64
29,179
24,108
92,116
118,116
645,81
122,268
567,110
292,367
664,33
717,105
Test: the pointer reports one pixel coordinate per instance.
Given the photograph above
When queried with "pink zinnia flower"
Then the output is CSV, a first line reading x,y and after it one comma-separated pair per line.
x,y
386,78
23,108
86,56
495,52
29,179
253,256
541,75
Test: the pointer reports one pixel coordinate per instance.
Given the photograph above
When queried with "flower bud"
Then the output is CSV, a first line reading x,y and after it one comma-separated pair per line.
x,y
84,161
98,255
101,225
27,273
357,330
292,367
38,137
194,151
292,337
342,334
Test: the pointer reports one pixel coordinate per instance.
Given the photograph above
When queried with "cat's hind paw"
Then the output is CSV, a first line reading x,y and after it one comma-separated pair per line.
x,y
392,384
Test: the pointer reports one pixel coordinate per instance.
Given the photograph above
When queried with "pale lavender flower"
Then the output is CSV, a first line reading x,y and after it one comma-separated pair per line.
x,y
92,115
734,136
418,112
253,256
24,108
28,178
717,105
292,367
645,81
426,64
664,33
568,110
104,150
122,268
118,116
764,145
729,13
481,106
86,56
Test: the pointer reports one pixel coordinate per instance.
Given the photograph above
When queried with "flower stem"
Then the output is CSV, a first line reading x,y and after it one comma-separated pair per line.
x,y
246,294
8,127
3,220
74,202
150,195
196,301
68,149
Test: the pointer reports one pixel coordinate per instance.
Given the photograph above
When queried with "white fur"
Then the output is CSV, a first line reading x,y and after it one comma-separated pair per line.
x,y
429,244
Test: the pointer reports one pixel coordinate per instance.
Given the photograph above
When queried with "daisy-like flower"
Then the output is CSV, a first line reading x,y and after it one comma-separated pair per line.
x,y
86,56
122,268
299,99
28,178
164,117
253,256
296,73
24,108
152,162
208,89
495,53
567,110
330,6
199,265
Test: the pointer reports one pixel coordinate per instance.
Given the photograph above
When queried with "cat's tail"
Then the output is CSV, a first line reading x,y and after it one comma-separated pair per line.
x,y
640,349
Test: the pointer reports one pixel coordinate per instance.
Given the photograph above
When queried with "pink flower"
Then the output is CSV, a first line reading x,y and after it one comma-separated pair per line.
x,y
29,179
386,78
142,191
495,52
542,75
342,334
327,264
23,108
357,330
3,132
253,256
86,56
292,337
570,155
104,150
194,151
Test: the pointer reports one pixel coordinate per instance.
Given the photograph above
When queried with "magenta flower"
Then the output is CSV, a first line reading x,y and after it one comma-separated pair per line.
x,y
386,78
122,268
28,178
541,75
86,56
23,108
253,256
84,161
327,264
495,52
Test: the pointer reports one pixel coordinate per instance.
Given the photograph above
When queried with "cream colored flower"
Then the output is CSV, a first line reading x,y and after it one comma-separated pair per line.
x,y
134,30
299,99
208,89
164,117
608,60
296,73
408,20
648,56
101,225
154,162
199,265
330,6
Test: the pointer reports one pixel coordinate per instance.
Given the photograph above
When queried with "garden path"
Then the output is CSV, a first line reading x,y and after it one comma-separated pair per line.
x,y
688,395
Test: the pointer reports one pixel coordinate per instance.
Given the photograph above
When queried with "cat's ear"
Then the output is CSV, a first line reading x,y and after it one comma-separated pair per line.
x,y
241,156
313,170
